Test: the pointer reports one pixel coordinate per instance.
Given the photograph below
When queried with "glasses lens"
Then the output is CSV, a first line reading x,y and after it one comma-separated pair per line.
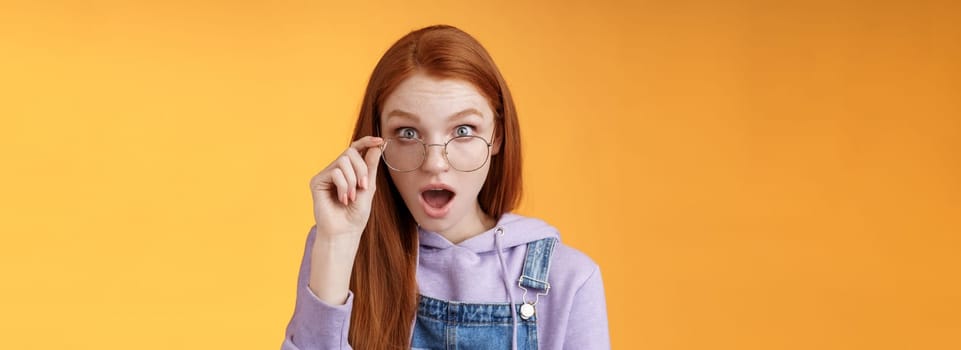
x,y
467,153
403,154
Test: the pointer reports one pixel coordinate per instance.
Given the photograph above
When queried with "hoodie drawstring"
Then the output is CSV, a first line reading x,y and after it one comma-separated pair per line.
x,y
507,285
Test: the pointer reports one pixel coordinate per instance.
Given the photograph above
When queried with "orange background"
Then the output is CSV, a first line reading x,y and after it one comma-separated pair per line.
x,y
749,175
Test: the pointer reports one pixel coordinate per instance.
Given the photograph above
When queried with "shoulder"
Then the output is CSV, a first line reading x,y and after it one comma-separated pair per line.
x,y
571,268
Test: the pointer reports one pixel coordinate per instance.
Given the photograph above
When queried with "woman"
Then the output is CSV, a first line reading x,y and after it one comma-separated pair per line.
x,y
428,254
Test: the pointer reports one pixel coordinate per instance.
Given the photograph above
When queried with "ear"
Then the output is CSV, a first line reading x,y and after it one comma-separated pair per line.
x,y
496,144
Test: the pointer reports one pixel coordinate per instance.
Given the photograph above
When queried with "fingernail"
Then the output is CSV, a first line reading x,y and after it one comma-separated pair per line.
x,y
343,198
363,182
353,194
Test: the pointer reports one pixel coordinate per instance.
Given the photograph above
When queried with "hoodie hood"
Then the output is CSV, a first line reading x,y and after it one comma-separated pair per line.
x,y
518,230
475,270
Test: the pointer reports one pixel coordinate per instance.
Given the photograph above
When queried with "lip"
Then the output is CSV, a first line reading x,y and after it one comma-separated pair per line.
x,y
432,212
438,185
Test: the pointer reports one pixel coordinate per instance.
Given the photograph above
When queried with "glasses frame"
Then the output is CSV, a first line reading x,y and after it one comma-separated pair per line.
x,y
383,149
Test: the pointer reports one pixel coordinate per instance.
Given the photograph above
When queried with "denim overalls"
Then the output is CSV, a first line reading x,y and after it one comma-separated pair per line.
x,y
442,324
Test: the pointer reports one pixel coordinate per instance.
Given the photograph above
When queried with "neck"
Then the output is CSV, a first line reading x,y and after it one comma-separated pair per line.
x,y
470,226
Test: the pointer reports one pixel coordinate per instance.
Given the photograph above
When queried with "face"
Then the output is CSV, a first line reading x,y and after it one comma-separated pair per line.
x,y
434,111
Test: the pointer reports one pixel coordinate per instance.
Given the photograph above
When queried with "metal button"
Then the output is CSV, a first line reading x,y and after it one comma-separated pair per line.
x,y
527,311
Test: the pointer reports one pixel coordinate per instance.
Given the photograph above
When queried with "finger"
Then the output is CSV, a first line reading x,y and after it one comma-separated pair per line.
x,y
317,183
343,163
366,142
360,167
340,182
373,161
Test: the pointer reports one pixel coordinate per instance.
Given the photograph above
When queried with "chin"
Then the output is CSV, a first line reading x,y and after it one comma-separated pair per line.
x,y
433,224
438,224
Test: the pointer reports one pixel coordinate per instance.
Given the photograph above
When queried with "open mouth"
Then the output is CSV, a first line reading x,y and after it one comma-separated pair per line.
x,y
436,202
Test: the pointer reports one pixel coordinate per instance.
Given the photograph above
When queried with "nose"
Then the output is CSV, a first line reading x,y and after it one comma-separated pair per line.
x,y
435,161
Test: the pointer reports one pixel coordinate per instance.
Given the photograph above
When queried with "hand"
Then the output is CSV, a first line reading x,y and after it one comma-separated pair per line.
x,y
344,190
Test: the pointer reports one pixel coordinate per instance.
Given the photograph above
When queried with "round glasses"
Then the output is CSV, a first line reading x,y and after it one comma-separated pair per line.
x,y
463,153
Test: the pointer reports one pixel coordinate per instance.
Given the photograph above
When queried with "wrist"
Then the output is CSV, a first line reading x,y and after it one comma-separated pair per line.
x,y
337,242
336,249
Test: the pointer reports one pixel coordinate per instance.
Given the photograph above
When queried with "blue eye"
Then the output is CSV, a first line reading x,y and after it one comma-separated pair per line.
x,y
464,130
407,133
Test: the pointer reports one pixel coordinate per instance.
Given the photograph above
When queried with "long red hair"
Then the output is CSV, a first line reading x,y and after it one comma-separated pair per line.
x,y
383,278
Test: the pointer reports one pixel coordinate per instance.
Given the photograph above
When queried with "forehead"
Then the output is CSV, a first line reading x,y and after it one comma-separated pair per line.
x,y
427,99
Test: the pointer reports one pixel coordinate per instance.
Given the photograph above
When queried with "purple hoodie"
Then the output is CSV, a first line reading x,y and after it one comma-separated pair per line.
x,y
572,316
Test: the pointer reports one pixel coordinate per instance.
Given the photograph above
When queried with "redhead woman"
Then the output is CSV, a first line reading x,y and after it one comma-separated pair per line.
x,y
415,243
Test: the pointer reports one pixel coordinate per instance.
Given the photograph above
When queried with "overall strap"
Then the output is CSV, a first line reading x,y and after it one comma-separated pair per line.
x,y
537,265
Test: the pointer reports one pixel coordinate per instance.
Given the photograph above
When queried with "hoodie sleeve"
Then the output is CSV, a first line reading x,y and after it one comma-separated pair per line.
x,y
587,325
315,323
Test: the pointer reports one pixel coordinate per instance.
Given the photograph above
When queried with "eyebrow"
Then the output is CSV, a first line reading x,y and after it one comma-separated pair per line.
x,y
459,115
